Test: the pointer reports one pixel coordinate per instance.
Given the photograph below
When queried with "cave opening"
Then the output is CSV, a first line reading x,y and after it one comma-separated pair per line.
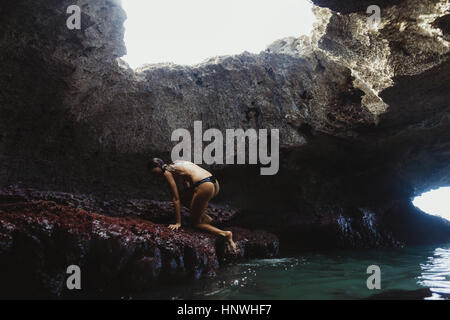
x,y
435,202
188,32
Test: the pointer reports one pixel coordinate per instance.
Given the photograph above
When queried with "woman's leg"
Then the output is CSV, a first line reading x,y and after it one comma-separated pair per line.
x,y
186,200
205,218
202,195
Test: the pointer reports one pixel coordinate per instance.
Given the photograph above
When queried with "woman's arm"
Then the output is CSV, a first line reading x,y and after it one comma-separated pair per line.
x,y
175,199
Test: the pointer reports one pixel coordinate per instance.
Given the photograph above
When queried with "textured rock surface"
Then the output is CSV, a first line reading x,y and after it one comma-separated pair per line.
x,y
40,239
363,114
153,210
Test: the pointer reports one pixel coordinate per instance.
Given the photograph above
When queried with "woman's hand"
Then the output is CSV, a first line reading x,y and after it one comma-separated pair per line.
x,y
174,226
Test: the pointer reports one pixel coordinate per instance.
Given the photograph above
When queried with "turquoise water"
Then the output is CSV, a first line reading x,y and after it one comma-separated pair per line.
x,y
326,275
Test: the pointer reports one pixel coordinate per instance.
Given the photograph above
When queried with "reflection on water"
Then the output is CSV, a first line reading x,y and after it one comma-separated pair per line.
x,y
436,273
328,275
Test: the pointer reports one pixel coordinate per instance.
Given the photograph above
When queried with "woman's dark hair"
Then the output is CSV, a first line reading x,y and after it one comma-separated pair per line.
x,y
157,163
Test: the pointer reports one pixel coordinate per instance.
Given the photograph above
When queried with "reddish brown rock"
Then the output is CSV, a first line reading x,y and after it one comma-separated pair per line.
x,y
40,239
153,210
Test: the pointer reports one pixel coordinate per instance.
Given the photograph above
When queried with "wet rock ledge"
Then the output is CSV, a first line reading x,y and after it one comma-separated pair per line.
x,y
40,239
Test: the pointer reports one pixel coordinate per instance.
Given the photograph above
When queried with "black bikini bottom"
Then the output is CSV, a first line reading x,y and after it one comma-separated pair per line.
x,y
208,179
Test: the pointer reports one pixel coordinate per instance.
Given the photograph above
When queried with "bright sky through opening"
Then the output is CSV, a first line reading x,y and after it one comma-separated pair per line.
x,y
435,202
190,31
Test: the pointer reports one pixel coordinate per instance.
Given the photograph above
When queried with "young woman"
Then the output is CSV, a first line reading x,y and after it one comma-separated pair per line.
x,y
205,187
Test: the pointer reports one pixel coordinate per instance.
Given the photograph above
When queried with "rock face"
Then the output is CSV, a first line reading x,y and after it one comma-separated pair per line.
x,y
363,115
39,240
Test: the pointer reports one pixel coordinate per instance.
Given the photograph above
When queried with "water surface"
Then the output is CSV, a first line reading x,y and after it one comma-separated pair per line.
x,y
325,275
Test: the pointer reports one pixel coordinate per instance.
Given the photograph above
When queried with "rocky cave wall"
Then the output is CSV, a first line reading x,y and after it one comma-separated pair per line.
x,y
363,115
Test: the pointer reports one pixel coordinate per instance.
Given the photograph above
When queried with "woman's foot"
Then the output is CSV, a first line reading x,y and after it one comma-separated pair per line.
x,y
229,237
205,219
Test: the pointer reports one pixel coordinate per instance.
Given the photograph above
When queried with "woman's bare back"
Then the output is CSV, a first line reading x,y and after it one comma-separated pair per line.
x,y
189,169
